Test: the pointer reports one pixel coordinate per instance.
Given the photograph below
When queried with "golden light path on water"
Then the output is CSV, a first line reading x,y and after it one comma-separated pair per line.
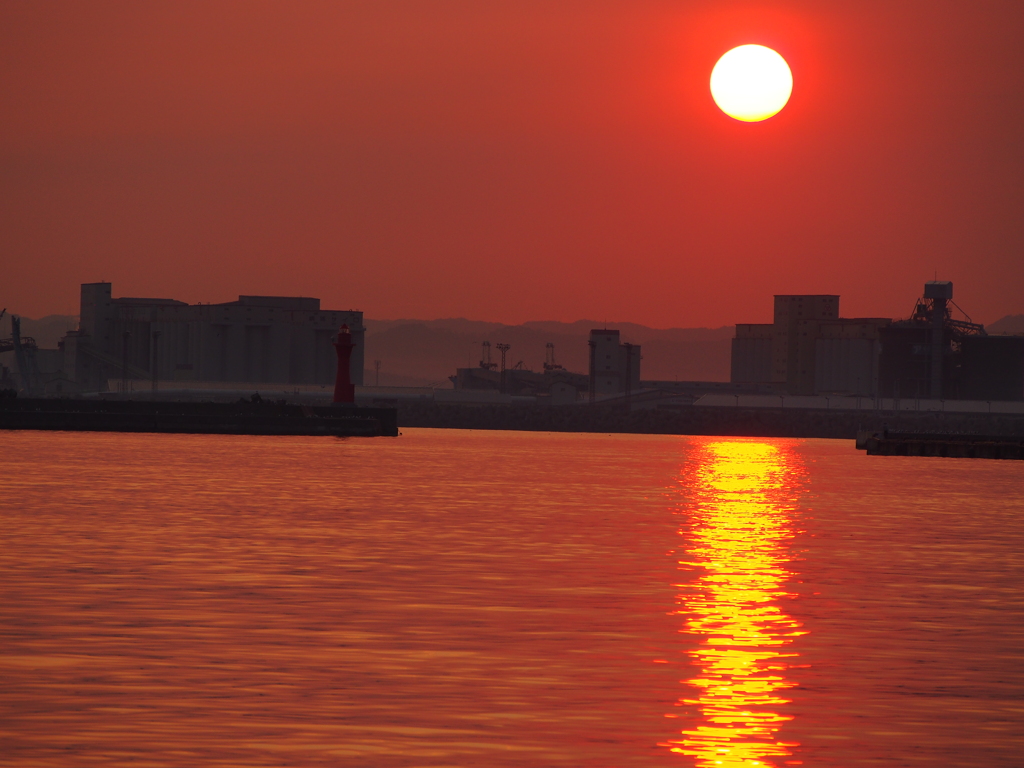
x,y
740,529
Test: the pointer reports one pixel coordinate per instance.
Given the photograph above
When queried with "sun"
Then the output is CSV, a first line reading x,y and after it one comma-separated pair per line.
x,y
751,83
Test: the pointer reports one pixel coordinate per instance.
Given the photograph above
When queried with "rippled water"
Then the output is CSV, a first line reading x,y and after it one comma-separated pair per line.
x,y
452,598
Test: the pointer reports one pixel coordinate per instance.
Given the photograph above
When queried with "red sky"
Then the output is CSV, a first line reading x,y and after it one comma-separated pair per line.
x,y
510,161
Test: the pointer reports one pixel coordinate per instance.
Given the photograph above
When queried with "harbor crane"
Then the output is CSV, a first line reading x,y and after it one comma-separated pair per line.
x,y
24,348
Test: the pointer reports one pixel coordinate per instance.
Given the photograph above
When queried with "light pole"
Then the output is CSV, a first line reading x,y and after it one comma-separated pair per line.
x,y
503,348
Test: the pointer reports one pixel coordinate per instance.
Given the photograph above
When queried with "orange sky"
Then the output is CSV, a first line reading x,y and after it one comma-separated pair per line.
x,y
510,161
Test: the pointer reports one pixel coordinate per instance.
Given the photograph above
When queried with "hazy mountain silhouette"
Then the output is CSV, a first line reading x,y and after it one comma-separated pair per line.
x,y
1008,324
47,331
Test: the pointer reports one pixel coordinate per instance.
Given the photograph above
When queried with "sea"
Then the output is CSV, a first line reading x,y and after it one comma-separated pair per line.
x,y
481,598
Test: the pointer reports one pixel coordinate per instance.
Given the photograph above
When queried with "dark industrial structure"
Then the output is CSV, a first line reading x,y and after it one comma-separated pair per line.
x,y
810,350
24,349
26,367
934,355
517,379
614,370
129,344
614,366
991,368
257,339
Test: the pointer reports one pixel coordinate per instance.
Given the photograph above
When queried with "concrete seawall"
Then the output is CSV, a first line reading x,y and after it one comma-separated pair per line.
x,y
752,422
259,417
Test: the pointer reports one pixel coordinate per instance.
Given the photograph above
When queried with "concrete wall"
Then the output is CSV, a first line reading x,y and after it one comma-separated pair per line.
x,y
846,366
993,368
604,362
751,360
809,349
797,321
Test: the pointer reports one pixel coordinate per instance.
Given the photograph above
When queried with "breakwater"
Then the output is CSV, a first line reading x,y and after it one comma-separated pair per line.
x,y
245,417
697,420
949,445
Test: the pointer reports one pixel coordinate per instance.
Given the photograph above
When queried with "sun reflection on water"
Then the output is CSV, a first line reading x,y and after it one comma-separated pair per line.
x,y
742,494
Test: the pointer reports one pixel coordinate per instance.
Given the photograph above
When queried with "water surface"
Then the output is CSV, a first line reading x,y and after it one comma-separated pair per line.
x,y
506,599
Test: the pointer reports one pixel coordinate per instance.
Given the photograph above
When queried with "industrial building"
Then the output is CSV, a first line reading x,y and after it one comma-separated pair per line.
x,y
846,355
257,339
809,349
934,355
614,366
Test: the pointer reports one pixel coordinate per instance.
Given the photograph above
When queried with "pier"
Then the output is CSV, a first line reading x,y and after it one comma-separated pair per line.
x,y
949,445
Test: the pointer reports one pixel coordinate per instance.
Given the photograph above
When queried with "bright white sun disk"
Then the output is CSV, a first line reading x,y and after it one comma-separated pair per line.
x,y
751,83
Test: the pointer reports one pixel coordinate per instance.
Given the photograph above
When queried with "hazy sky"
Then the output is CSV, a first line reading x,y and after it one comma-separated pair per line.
x,y
509,161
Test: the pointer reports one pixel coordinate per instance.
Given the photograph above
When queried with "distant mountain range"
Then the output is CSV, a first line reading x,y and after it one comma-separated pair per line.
x,y
47,331
1007,325
425,352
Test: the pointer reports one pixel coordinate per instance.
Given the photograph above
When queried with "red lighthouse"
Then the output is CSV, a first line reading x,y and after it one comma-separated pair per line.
x,y
344,389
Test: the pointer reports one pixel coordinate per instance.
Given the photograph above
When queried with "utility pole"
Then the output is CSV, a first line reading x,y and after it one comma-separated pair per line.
x,y
503,348
376,373
21,354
